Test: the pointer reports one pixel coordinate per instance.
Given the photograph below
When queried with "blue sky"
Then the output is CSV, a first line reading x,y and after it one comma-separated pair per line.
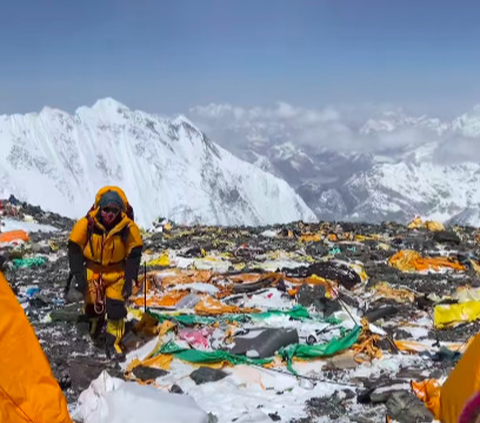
x,y
167,56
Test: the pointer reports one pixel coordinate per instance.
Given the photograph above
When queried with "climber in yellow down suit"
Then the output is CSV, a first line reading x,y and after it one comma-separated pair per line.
x,y
104,251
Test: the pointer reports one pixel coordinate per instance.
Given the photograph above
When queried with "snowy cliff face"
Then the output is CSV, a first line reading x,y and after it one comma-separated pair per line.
x,y
167,168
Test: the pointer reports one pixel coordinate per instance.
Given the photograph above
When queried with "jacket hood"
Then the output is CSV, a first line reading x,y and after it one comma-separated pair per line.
x,y
114,189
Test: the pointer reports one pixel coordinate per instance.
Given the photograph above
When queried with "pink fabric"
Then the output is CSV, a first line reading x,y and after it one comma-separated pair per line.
x,y
471,410
195,337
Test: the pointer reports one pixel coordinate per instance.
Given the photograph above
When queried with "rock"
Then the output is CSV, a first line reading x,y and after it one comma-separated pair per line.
x,y
386,345
66,314
382,395
375,415
145,373
307,294
175,389
132,341
40,249
83,370
405,407
206,374
364,396
381,313
3,259
275,417
446,237
331,406
349,394
341,362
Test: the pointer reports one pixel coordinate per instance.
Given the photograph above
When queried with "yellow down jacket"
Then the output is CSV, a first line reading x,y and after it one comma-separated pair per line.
x,y
105,252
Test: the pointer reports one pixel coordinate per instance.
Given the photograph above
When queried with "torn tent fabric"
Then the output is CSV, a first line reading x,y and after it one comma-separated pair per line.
x,y
28,390
450,314
162,261
300,351
462,383
336,271
309,352
209,306
429,392
412,261
430,225
208,357
458,398
14,236
401,295
296,313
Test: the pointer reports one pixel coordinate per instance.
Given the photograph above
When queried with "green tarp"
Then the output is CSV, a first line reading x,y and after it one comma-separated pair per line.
x,y
29,262
305,352
196,356
296,313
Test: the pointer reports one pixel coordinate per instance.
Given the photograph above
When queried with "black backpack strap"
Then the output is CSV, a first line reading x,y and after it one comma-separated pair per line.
x,y
90,227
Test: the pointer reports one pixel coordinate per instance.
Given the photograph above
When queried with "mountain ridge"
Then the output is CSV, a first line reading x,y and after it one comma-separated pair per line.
x,y
397,166
167,167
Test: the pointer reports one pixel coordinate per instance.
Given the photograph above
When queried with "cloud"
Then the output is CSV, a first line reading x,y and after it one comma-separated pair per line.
x,y
381,129
283,122
458,149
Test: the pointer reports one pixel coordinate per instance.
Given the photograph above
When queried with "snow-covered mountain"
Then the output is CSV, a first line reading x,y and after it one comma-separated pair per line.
x,y
412,166
167,167
392,121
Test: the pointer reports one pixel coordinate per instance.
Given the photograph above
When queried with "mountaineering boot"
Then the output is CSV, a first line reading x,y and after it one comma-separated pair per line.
x,y
95,329
113,337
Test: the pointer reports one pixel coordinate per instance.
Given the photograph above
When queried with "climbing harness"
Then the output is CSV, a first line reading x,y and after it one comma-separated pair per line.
x,y
99,301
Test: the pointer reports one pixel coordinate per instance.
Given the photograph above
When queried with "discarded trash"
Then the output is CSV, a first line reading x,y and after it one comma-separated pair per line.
x,y
29,262
113,400
273,319
12,236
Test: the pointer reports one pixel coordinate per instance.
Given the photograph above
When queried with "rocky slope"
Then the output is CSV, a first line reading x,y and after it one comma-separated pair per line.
x,y
397,303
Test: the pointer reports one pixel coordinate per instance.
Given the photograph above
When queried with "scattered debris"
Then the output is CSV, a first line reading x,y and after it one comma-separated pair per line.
x,y
281,323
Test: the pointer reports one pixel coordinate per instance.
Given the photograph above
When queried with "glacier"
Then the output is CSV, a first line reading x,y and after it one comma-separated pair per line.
x,y
167,167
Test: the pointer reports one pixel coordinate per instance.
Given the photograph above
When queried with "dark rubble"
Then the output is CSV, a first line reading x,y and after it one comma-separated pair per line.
x,y
76,362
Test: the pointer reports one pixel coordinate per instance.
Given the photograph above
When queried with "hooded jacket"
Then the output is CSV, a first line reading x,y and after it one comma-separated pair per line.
x,y
115,253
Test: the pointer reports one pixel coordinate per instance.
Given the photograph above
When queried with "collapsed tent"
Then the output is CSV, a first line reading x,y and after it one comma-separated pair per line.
x,y
28,390
430,225
14,236
412,261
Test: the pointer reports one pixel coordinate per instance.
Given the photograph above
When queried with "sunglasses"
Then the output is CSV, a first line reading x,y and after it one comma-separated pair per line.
x,y
112,210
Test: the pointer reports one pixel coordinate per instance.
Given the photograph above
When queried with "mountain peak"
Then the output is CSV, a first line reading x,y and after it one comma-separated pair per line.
x,y
167,168
182,119
109,103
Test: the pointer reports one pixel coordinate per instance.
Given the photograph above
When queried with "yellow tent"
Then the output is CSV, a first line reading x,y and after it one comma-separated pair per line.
x,y
460,394
462,384
29,393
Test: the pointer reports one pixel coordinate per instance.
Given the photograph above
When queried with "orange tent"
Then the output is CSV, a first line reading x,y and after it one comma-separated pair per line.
x,y
461,389
462,384
29,393
16,235
411,261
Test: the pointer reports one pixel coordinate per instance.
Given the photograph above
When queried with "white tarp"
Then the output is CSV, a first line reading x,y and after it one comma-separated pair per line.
x,y
112,400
